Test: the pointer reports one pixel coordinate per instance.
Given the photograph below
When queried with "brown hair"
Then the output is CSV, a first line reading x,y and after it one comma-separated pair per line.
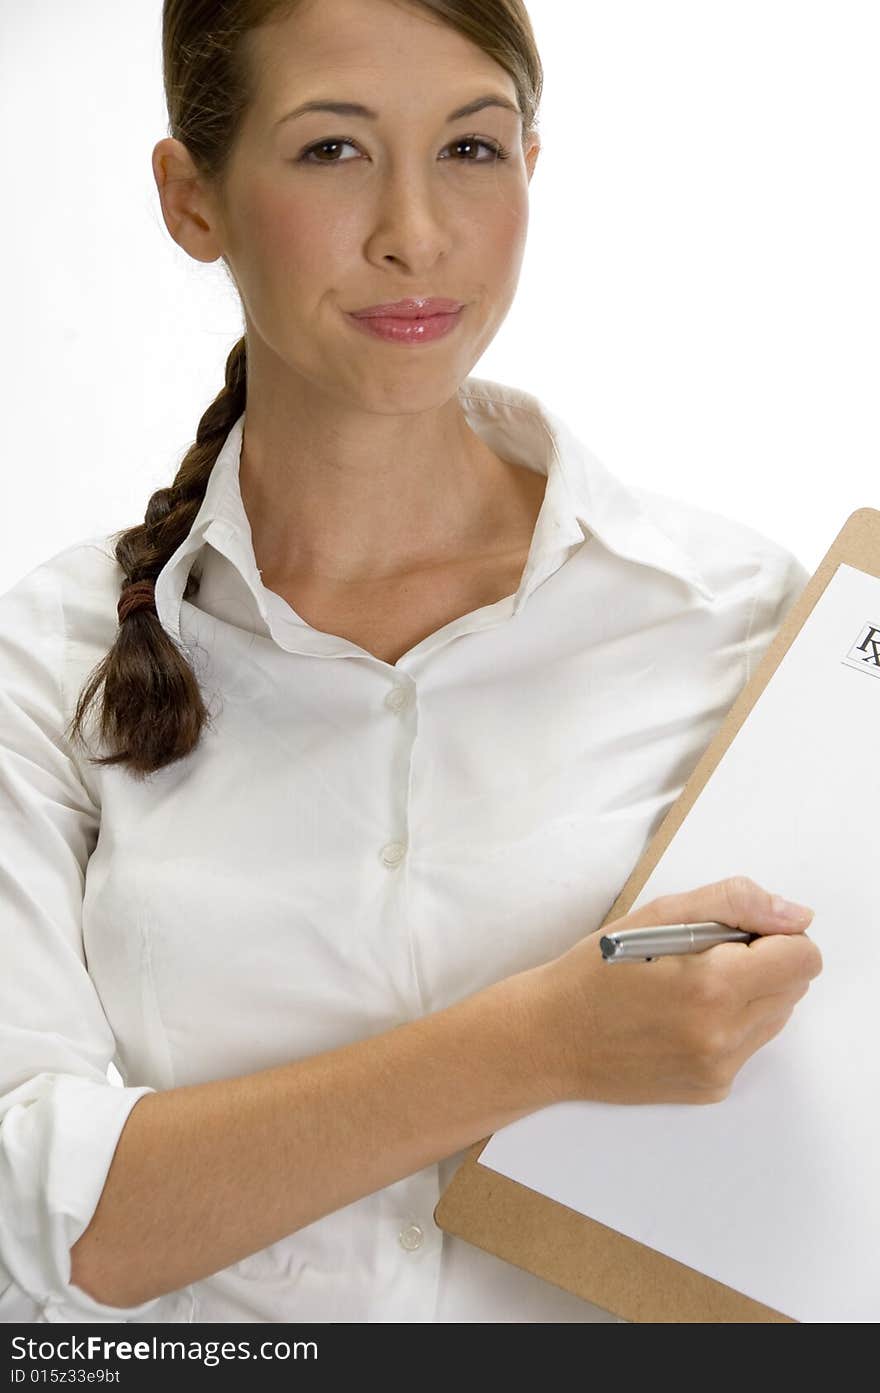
x,y
152,711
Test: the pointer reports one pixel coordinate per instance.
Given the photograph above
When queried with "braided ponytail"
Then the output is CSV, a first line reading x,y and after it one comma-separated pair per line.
x,y
153,712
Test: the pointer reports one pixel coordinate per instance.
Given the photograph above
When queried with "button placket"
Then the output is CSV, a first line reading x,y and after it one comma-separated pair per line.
x,y
392,853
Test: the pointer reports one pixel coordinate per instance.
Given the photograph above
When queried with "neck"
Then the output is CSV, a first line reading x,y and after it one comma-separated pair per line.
x,y
342,494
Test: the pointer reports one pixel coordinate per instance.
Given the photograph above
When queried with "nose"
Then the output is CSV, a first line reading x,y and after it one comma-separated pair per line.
x,y
410,217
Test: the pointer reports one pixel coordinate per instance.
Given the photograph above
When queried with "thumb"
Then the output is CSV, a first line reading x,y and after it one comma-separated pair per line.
x,y
738,901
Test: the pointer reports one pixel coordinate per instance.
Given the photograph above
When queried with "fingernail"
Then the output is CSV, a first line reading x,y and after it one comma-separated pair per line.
x,y
789,910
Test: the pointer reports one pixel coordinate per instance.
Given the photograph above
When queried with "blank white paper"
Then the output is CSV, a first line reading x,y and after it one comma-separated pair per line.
x,y
773,1191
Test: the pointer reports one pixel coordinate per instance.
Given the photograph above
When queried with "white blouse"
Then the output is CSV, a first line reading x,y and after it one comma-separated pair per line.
x,y
353,844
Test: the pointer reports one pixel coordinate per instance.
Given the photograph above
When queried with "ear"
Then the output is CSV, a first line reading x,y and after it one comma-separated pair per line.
x,y
188,209
531,156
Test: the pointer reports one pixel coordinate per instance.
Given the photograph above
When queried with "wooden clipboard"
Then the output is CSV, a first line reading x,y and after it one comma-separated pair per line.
x,y
556,1243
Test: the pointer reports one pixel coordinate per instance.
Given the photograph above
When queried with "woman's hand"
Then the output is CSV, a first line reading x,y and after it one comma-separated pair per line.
x,y
679,1028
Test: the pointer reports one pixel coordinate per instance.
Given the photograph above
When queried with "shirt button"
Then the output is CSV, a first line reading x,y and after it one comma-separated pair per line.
x,y
397,698
393,853
411,1237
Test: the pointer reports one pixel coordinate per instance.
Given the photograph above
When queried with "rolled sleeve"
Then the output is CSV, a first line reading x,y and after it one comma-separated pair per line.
x,y
60,1116
58,1134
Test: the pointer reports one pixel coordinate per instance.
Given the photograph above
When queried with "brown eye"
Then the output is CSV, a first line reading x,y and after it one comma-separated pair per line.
x,y
471,142
325,145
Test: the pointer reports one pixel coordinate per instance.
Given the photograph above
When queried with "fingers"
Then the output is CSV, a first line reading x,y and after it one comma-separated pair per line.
x,y
750,972
777,963
781,959
737,901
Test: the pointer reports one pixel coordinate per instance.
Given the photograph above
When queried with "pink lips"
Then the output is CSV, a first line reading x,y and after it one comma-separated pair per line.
x,y
409,321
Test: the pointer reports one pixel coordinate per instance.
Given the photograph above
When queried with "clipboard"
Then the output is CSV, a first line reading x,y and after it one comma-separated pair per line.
x,y
559,1244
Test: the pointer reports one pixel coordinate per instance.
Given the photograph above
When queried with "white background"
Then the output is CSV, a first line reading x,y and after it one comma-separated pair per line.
x,y
700,296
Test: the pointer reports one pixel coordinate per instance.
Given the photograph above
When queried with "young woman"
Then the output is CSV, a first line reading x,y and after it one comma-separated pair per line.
x,y
396,682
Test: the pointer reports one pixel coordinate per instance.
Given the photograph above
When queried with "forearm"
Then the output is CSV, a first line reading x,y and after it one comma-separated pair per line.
x,y
208,1174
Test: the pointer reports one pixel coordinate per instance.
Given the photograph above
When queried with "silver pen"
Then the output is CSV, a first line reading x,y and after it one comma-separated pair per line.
x,y
661,940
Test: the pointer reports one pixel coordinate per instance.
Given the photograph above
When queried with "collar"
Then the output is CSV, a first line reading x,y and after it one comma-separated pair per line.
x,y
582,498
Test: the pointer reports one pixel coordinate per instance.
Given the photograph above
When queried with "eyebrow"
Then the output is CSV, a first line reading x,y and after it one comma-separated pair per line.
x,y
355,108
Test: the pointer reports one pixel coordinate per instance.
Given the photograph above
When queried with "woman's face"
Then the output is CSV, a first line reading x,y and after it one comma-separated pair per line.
x,y
324,213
